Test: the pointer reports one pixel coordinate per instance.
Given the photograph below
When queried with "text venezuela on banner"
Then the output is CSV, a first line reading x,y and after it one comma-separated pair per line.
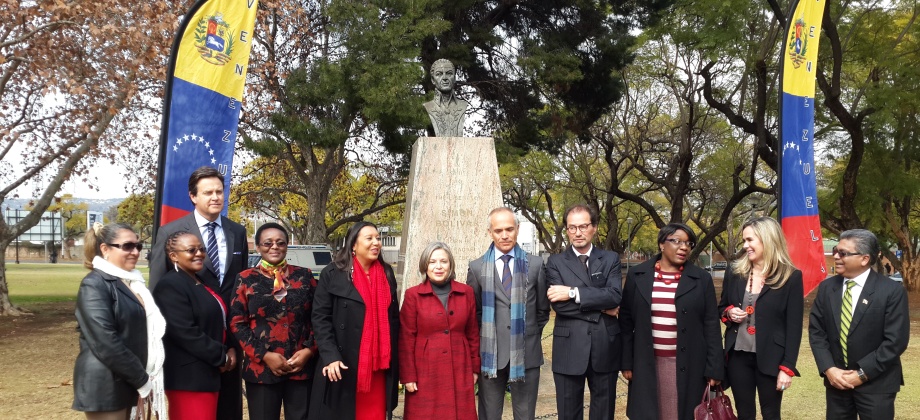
x,y
799,198
203,97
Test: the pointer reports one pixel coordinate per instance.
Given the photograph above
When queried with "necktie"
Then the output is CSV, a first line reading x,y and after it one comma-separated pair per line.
x,y
213,250
584,260
846,315
506,272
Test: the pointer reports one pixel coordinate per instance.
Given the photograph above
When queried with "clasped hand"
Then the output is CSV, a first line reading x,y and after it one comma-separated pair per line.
x,y
843,379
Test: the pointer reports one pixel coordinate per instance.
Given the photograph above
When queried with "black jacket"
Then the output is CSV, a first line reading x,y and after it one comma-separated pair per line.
x,y
778,321
699,339
113,345
338,322
582,333
195,340
879,332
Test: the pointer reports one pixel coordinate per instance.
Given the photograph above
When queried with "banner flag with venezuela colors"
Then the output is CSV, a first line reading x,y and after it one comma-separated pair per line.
x,y
799,192
201,108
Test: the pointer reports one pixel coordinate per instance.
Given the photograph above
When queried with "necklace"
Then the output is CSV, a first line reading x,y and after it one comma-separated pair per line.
x,y
751,329
661,278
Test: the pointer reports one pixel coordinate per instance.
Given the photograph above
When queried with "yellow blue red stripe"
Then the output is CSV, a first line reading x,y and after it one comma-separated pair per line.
x,y
799,200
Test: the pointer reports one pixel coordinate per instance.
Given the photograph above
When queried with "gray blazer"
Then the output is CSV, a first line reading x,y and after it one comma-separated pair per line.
x,y
235,258
582,333
536,311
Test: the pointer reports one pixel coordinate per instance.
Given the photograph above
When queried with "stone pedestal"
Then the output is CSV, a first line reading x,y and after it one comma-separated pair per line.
x,y
453,184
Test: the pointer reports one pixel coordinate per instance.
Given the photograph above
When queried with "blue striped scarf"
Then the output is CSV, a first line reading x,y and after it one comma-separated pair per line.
x,y
488,345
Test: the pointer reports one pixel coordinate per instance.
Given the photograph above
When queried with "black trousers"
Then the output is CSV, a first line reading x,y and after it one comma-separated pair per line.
x,y
265,400
570,395
746,380
846,404
230,398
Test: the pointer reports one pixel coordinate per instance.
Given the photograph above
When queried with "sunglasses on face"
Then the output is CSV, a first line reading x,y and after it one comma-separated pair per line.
x,y
193,251
843,254
128,246
280,244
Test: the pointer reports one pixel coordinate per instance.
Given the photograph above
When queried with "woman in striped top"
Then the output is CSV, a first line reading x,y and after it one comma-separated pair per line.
x,y
672,342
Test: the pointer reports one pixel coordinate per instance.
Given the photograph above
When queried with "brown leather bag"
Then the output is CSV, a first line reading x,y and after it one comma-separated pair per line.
x,y
714,408
144,409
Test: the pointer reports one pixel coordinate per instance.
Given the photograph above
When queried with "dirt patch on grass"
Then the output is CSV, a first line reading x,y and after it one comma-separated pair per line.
x,y
37,354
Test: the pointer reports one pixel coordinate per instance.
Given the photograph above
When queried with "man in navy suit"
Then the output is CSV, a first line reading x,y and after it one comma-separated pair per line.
x,y
226,241
585,291
858,328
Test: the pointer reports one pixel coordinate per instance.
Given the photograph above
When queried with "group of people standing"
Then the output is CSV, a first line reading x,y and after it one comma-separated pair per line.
x,y
338,347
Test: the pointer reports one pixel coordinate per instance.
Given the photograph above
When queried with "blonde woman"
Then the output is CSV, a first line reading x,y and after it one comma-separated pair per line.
x,y
762,306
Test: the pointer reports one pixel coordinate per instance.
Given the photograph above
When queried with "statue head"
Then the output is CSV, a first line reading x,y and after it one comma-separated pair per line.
x,y
443,76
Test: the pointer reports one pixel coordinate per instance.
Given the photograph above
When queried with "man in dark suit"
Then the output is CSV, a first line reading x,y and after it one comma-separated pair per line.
x,y
512,308
228,250
858,328
585,291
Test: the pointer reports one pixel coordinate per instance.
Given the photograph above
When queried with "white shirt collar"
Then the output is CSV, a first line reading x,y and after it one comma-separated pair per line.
x,y
201,221
586,253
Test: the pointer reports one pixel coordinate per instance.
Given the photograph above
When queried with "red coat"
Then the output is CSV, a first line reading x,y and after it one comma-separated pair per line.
x,y
439,350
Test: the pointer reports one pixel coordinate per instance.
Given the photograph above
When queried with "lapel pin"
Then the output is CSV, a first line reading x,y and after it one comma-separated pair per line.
x,y
865,301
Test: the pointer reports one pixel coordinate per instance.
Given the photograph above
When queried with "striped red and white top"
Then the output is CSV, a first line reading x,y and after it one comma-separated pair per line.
x,y
664,314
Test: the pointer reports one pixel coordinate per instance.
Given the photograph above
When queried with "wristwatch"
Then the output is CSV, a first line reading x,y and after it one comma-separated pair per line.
x,y
862,375
572,293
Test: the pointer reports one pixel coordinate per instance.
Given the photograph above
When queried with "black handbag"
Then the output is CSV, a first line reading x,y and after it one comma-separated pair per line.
x,y
718,407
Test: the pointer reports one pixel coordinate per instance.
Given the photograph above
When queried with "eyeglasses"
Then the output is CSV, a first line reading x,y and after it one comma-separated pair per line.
x,y
573,228
843,254
128,246
677,242
193,251
280,244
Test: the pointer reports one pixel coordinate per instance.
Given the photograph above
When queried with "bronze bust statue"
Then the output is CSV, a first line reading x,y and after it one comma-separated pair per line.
x,y
447,112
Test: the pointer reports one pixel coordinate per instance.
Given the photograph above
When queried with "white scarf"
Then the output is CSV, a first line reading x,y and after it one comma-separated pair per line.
x,y
156,328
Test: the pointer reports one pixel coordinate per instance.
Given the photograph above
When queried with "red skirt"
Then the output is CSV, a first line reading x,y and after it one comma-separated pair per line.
x,y
372,405
192,405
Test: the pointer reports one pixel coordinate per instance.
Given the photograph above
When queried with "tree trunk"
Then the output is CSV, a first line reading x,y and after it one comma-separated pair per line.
x,y
6,307
315,230
910,271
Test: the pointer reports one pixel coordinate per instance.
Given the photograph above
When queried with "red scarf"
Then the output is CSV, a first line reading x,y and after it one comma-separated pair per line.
x,y
375,338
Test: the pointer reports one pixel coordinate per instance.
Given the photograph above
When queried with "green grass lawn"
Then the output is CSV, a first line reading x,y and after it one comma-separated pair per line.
x,y
35,283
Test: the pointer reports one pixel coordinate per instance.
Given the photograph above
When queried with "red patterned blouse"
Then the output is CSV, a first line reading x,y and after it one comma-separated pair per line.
x,y
261,323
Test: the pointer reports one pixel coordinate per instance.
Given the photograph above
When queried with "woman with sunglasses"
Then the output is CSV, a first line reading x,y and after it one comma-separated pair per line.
x,y
270,316
197,348
762,306
669,306
120,327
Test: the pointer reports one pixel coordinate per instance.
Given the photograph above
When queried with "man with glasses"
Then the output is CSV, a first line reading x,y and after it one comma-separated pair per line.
x,y
227,253
585,291
512,308
858,328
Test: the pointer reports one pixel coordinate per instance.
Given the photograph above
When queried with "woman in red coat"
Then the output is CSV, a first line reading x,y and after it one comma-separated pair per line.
x,y
439,342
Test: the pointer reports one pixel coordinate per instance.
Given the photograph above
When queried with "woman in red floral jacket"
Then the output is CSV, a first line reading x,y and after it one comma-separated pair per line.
x,y
439,342
270,316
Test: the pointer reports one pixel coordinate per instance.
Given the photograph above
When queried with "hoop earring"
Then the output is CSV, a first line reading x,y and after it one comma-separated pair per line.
x,y
352,253
176,265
